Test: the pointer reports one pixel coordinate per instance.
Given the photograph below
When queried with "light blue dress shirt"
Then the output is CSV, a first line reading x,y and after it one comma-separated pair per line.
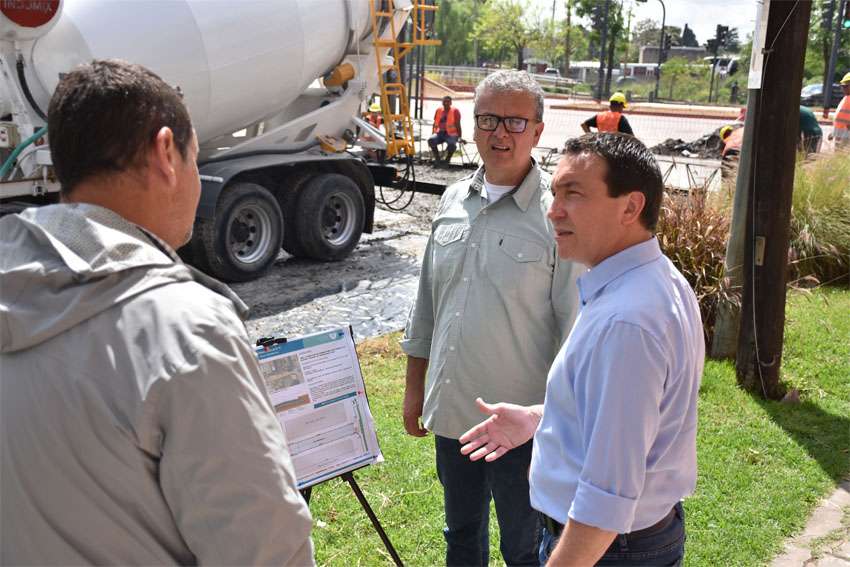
x,y
616,446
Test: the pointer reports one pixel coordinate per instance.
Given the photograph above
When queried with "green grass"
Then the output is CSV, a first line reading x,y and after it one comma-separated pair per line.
x,y
763,466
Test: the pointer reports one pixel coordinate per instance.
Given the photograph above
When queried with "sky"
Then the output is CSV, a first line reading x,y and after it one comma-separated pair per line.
x,y
702,16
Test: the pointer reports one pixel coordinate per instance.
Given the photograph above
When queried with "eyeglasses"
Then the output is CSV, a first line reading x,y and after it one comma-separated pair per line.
x,y
489,122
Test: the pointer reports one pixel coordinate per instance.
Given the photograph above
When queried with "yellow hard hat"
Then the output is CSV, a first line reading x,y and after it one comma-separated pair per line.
x,y
845,80
375,107
618,97
725,131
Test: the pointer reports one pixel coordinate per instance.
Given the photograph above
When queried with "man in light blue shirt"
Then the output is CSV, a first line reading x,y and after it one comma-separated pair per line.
x,y
615,442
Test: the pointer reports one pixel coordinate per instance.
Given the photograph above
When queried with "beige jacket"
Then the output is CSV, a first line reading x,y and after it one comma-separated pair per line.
x,y
136,429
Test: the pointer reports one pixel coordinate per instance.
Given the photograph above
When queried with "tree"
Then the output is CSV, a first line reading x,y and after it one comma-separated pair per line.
x,y
819,49
689,39
647,33
733,44
503,23
452,26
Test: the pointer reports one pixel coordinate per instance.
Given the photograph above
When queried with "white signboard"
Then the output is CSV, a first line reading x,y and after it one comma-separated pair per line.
x,y
319,396
757,56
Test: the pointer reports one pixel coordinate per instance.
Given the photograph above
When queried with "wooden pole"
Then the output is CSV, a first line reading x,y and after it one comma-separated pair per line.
x,y
769,201
728,320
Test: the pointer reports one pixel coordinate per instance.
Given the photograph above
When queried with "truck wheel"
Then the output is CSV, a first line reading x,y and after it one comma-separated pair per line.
x,y
246,235
287,196
330,216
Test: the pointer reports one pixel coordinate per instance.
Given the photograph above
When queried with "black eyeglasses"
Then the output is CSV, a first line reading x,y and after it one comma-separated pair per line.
x,y
489,122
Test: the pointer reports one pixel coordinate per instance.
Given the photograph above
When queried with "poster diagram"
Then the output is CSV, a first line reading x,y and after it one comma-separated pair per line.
x,y
319,397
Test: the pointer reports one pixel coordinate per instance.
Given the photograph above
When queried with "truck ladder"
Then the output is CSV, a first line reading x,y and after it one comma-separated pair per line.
x,y
401,142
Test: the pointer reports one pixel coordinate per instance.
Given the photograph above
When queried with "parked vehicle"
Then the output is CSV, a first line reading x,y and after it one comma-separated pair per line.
x,y
812,95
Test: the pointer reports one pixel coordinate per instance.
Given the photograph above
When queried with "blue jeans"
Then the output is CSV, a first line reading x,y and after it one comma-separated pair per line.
x,y
443,137
467,488
666,547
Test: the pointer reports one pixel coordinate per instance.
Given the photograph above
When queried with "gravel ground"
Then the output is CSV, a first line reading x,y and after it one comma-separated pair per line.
x,y
371,290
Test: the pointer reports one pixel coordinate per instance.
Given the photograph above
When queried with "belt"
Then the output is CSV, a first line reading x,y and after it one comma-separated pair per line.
x,y
556,528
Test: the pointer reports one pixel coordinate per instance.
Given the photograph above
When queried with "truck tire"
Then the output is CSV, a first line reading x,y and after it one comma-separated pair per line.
x,y
330,215
287,196
246,235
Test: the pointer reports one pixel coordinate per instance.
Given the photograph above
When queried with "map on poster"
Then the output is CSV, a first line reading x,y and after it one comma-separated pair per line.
x,y
319,397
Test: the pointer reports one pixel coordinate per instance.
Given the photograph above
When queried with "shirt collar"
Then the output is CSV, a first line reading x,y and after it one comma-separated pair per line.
x,y
590,283
521,194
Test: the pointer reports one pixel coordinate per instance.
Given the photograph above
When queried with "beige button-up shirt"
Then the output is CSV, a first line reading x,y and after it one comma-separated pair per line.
x,y
494,303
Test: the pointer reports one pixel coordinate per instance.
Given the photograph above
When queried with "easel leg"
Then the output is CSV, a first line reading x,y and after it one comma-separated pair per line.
x,y
349,478
305,493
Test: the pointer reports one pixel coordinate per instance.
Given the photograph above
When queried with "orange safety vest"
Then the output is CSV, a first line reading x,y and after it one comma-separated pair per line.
x,y
841,121
451,121
376,119
608,121
734,141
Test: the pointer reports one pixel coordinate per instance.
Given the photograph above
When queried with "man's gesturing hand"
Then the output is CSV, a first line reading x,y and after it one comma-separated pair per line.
x,y
508,426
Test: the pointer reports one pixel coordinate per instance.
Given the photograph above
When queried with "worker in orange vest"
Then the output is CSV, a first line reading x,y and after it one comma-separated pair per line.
x,y
733,139
611,120
446,130
841,121
375,116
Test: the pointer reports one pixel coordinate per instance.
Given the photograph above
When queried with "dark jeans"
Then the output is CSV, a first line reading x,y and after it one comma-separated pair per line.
x,y
443,137
467,487
666,547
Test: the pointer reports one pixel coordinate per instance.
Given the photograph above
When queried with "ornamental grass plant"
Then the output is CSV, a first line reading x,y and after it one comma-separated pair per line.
x,y
819,251
693,231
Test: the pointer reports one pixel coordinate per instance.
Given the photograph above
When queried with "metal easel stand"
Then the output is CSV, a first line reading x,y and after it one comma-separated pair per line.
x,y
349,478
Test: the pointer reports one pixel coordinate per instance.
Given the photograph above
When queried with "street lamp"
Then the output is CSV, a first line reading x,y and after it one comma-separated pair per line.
x,y
660,44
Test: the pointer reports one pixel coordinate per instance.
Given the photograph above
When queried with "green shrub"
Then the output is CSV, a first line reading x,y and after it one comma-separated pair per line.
x,y
693,234
820,220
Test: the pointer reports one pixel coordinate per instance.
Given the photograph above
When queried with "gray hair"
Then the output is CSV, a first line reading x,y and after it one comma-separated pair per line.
x,y
512,81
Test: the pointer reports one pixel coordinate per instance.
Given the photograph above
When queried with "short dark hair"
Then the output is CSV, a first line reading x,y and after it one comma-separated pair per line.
x,y
104,116
631,167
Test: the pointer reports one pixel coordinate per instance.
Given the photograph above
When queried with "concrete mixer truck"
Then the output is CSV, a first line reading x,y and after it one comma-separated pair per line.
x,y
276,90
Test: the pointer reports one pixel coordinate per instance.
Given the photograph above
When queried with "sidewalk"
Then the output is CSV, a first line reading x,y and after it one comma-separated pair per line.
x,y
825,541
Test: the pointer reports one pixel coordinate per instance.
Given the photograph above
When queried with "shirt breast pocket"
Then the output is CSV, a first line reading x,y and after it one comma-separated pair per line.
x,y
519,268
520,250
448,250
446,234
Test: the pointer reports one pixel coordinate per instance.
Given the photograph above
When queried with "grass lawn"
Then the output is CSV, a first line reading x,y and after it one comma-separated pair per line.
x,y
763,466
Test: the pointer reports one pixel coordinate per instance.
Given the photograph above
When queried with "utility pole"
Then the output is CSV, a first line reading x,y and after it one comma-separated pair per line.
x,y
475,37
714,46
660,49
599,83
567,43
833,58
766,238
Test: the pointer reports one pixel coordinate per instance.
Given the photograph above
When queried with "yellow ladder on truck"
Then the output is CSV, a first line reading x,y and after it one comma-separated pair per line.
x,y
400,141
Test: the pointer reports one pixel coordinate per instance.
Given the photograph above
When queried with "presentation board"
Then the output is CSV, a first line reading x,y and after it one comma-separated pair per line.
x,y
318,394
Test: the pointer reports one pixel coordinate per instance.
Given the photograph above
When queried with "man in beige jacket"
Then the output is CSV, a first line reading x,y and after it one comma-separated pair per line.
x,y
136,429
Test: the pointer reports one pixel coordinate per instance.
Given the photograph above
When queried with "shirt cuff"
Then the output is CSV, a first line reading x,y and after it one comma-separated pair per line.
x,y
419,348
595,507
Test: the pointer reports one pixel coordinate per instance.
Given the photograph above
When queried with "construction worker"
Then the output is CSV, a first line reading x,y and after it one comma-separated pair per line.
x,y
446,130
809,133
733,139
841,121
375,115
612,120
